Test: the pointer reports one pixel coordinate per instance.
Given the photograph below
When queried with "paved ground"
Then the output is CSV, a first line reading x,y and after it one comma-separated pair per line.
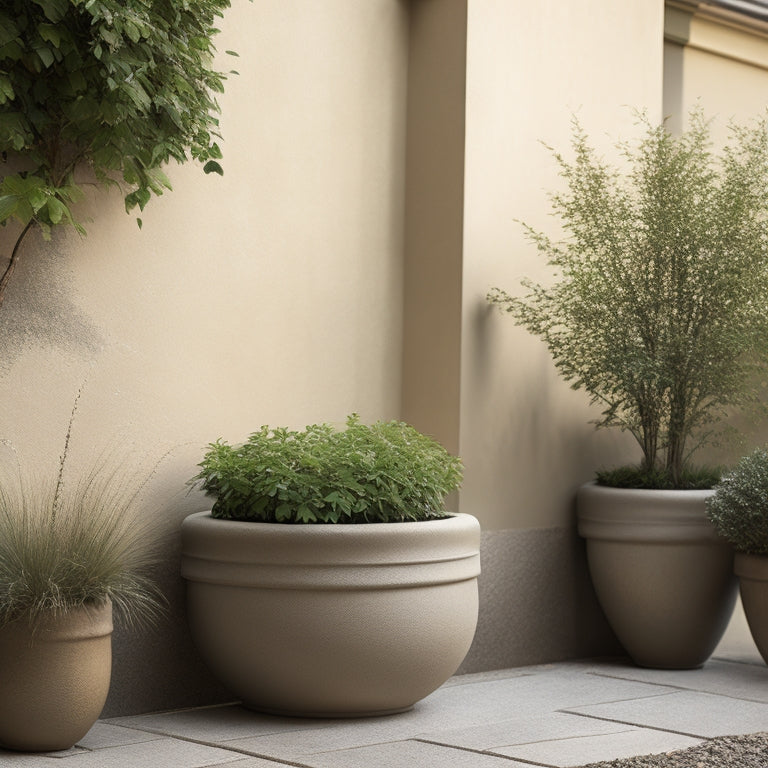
x,y
567,714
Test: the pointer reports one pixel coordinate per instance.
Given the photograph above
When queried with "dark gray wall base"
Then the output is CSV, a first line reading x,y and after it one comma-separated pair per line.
x,y
537,604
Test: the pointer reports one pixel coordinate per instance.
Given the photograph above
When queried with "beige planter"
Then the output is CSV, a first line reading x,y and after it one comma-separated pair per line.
x,y
663,577
752,571
332,620
54,680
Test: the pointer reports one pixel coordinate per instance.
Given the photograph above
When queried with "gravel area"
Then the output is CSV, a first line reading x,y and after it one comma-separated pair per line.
x,y
725,752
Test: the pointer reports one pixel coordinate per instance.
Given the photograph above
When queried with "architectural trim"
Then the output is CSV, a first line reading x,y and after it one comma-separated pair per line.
x,y
718,30
746,15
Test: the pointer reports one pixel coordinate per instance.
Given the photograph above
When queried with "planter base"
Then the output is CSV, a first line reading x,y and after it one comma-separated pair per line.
x,y
663,577
54,678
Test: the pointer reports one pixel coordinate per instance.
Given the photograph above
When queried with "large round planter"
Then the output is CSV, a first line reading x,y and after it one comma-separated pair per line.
x,y
54,678
752,571
663,577
331,620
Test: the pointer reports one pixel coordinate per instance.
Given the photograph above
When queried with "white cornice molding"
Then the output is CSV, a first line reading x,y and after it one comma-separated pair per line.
x,y
718,29
746,15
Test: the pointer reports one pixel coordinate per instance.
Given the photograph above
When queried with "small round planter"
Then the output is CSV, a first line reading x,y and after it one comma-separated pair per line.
x,y
752,571
332,620
663,577
54,678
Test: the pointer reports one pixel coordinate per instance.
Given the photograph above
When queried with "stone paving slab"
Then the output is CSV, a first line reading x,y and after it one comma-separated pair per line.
x,y
104,735
408,753
554,726
687,712
245,762
455,707
561,739
496,674
216,724
157,753
579,751
743,681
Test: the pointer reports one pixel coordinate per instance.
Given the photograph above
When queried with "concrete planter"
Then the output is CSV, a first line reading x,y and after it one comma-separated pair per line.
x,y
752,571
332,620
54,679
663,577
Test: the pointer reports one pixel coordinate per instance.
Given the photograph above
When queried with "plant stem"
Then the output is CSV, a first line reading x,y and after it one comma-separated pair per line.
x,y
63,459
5,279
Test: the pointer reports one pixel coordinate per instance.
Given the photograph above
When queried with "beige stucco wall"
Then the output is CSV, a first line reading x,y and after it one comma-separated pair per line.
x,y
271,295
525,435
495,78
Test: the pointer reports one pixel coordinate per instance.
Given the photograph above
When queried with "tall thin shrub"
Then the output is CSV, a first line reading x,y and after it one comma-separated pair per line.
x,y
659,309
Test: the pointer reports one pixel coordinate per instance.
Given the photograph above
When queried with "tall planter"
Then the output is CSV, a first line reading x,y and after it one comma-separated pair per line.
x,y
663,577
752,571
332,620
54,678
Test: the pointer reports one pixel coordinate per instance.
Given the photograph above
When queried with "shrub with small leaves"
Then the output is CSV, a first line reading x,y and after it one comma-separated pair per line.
x,y
384,472
659,310
739,507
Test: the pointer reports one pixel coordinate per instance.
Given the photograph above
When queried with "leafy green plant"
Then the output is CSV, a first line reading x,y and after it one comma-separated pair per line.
x,y
385,472
739,507
658,478
116,87
62,548
660,307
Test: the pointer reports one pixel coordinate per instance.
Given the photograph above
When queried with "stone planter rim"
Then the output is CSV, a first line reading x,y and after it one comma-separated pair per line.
x,y
662,515
750,566
321,556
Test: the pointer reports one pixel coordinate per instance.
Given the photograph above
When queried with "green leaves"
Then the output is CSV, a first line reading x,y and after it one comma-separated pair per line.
x,y
739,507
660,310
385,472
25,197
121,85
213,167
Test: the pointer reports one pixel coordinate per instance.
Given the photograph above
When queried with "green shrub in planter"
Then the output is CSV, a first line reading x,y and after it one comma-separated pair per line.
x,y
739,508
331,620
68,557
659,309
384,472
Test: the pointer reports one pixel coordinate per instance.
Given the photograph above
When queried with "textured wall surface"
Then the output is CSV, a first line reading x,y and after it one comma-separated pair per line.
x,y
537,602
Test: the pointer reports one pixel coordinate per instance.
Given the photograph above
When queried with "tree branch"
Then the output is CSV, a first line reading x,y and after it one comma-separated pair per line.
x,y
5,279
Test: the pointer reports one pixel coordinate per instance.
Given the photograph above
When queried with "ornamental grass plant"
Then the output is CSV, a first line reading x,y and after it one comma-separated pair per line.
x,y
62,549
659,308
64,546
739,507
384,472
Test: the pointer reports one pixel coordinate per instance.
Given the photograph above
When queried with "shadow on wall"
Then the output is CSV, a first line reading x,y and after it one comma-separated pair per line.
x,y
38,308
